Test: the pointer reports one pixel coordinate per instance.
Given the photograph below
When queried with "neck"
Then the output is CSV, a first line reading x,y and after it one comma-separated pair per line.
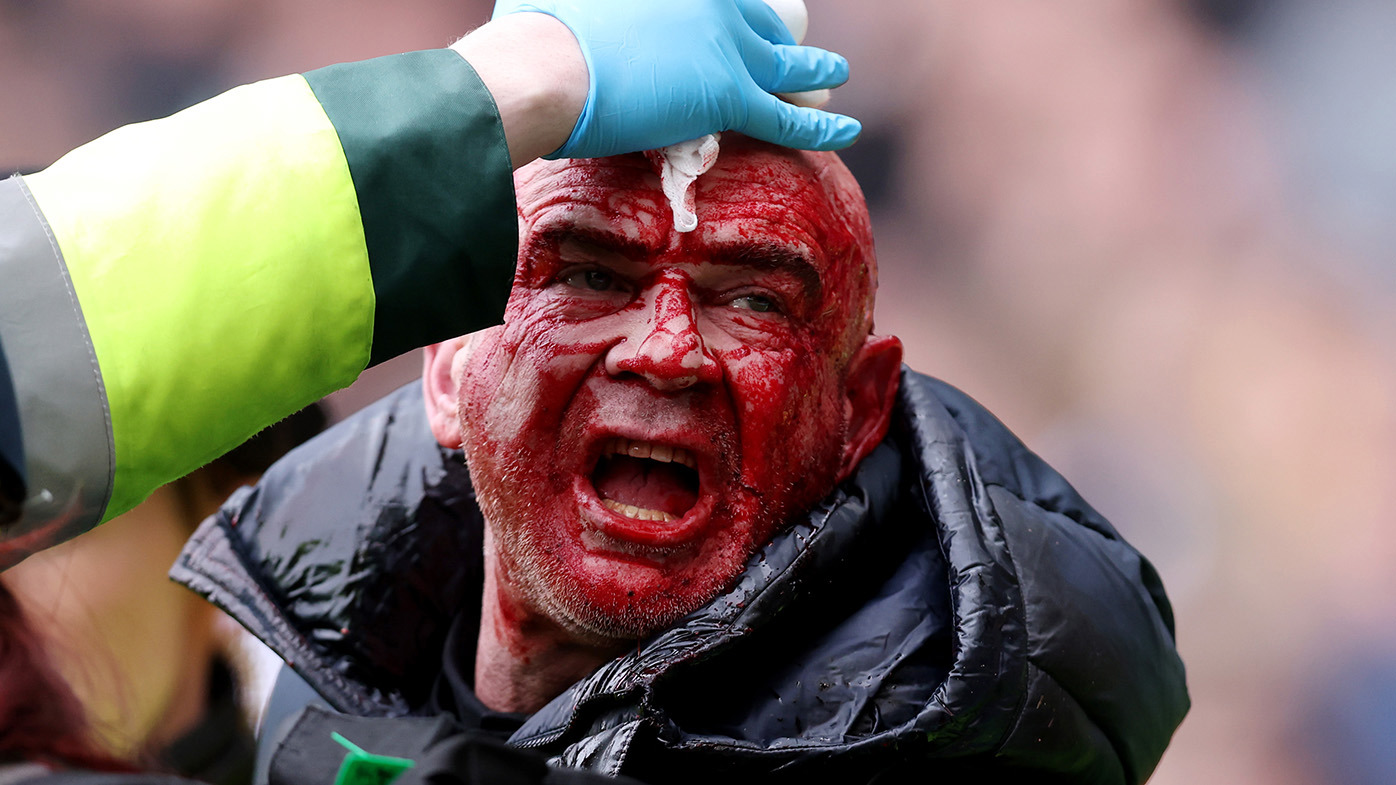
x,y
523,659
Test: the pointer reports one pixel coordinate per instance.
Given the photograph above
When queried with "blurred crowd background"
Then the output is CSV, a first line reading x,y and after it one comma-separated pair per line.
x,y
1156,237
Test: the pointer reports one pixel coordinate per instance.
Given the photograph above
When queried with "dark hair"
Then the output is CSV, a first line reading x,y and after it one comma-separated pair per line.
x,y
41,721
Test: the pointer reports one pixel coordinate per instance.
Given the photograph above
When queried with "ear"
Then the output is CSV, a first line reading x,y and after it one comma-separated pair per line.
x,y
439,386
870,394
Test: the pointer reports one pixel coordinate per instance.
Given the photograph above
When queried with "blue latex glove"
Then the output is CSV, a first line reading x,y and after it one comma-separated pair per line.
x,y
665,71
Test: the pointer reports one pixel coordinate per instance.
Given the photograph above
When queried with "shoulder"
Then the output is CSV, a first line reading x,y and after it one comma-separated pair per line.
x,y
370,526
941,420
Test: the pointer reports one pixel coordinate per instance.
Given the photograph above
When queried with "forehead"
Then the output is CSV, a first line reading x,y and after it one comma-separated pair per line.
x,y
754,195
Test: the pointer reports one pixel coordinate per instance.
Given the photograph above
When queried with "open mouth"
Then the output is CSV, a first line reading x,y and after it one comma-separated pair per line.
x,y
646,481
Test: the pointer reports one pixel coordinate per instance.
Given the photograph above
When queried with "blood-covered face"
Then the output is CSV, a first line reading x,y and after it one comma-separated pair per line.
x,y
657,404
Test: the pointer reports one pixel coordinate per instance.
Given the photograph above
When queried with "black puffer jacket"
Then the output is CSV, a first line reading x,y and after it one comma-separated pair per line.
x,y
955,608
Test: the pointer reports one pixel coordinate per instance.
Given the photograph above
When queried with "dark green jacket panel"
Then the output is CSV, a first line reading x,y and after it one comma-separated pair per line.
x,y
431,168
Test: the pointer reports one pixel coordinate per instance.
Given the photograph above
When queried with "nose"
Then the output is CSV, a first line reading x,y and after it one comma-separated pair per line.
x,y
665,347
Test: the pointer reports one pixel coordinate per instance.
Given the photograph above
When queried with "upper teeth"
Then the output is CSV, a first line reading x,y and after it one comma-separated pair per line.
x,y
638,513
663,453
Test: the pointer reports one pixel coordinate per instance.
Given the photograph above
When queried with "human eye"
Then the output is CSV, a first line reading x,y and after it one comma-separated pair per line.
x,y
591,279
755,302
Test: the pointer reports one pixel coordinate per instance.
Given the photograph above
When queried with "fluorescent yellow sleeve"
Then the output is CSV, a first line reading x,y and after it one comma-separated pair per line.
x,y
219,260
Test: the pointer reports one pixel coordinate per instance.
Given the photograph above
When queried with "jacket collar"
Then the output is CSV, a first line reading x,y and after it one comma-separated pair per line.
x,y
905,579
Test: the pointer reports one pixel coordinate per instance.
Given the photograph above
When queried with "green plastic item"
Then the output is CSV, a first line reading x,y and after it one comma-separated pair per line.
x,y
365,768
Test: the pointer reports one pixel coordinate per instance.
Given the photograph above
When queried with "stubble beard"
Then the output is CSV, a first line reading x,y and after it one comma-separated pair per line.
x,y
543,584
524,568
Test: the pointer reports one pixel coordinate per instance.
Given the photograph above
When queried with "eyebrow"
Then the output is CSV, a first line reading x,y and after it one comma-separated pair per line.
x,y
597,239
774,257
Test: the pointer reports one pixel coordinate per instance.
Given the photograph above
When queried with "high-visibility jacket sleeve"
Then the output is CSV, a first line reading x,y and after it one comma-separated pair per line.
x,y
173,287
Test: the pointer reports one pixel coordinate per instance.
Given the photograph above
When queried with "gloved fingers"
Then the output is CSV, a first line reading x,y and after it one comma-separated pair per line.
x,y
765,21
794,69
773,120
673,70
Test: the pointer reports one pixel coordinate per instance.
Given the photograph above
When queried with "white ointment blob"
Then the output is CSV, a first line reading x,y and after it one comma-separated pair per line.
x,y
680,165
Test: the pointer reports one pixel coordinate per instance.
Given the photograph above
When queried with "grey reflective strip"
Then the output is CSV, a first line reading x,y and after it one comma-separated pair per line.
x,y
62,403
14,773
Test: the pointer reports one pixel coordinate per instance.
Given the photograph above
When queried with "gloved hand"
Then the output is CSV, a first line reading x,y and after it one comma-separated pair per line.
x,y
665,71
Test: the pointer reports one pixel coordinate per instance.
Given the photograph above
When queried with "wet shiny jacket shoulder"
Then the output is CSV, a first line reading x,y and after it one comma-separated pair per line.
x,y
954,608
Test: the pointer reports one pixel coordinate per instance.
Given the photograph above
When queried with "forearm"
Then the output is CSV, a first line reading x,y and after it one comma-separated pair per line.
x,y
175,286
533,67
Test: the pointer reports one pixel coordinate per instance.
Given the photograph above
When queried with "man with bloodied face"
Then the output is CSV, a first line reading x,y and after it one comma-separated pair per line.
x,y
710,525
658,403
